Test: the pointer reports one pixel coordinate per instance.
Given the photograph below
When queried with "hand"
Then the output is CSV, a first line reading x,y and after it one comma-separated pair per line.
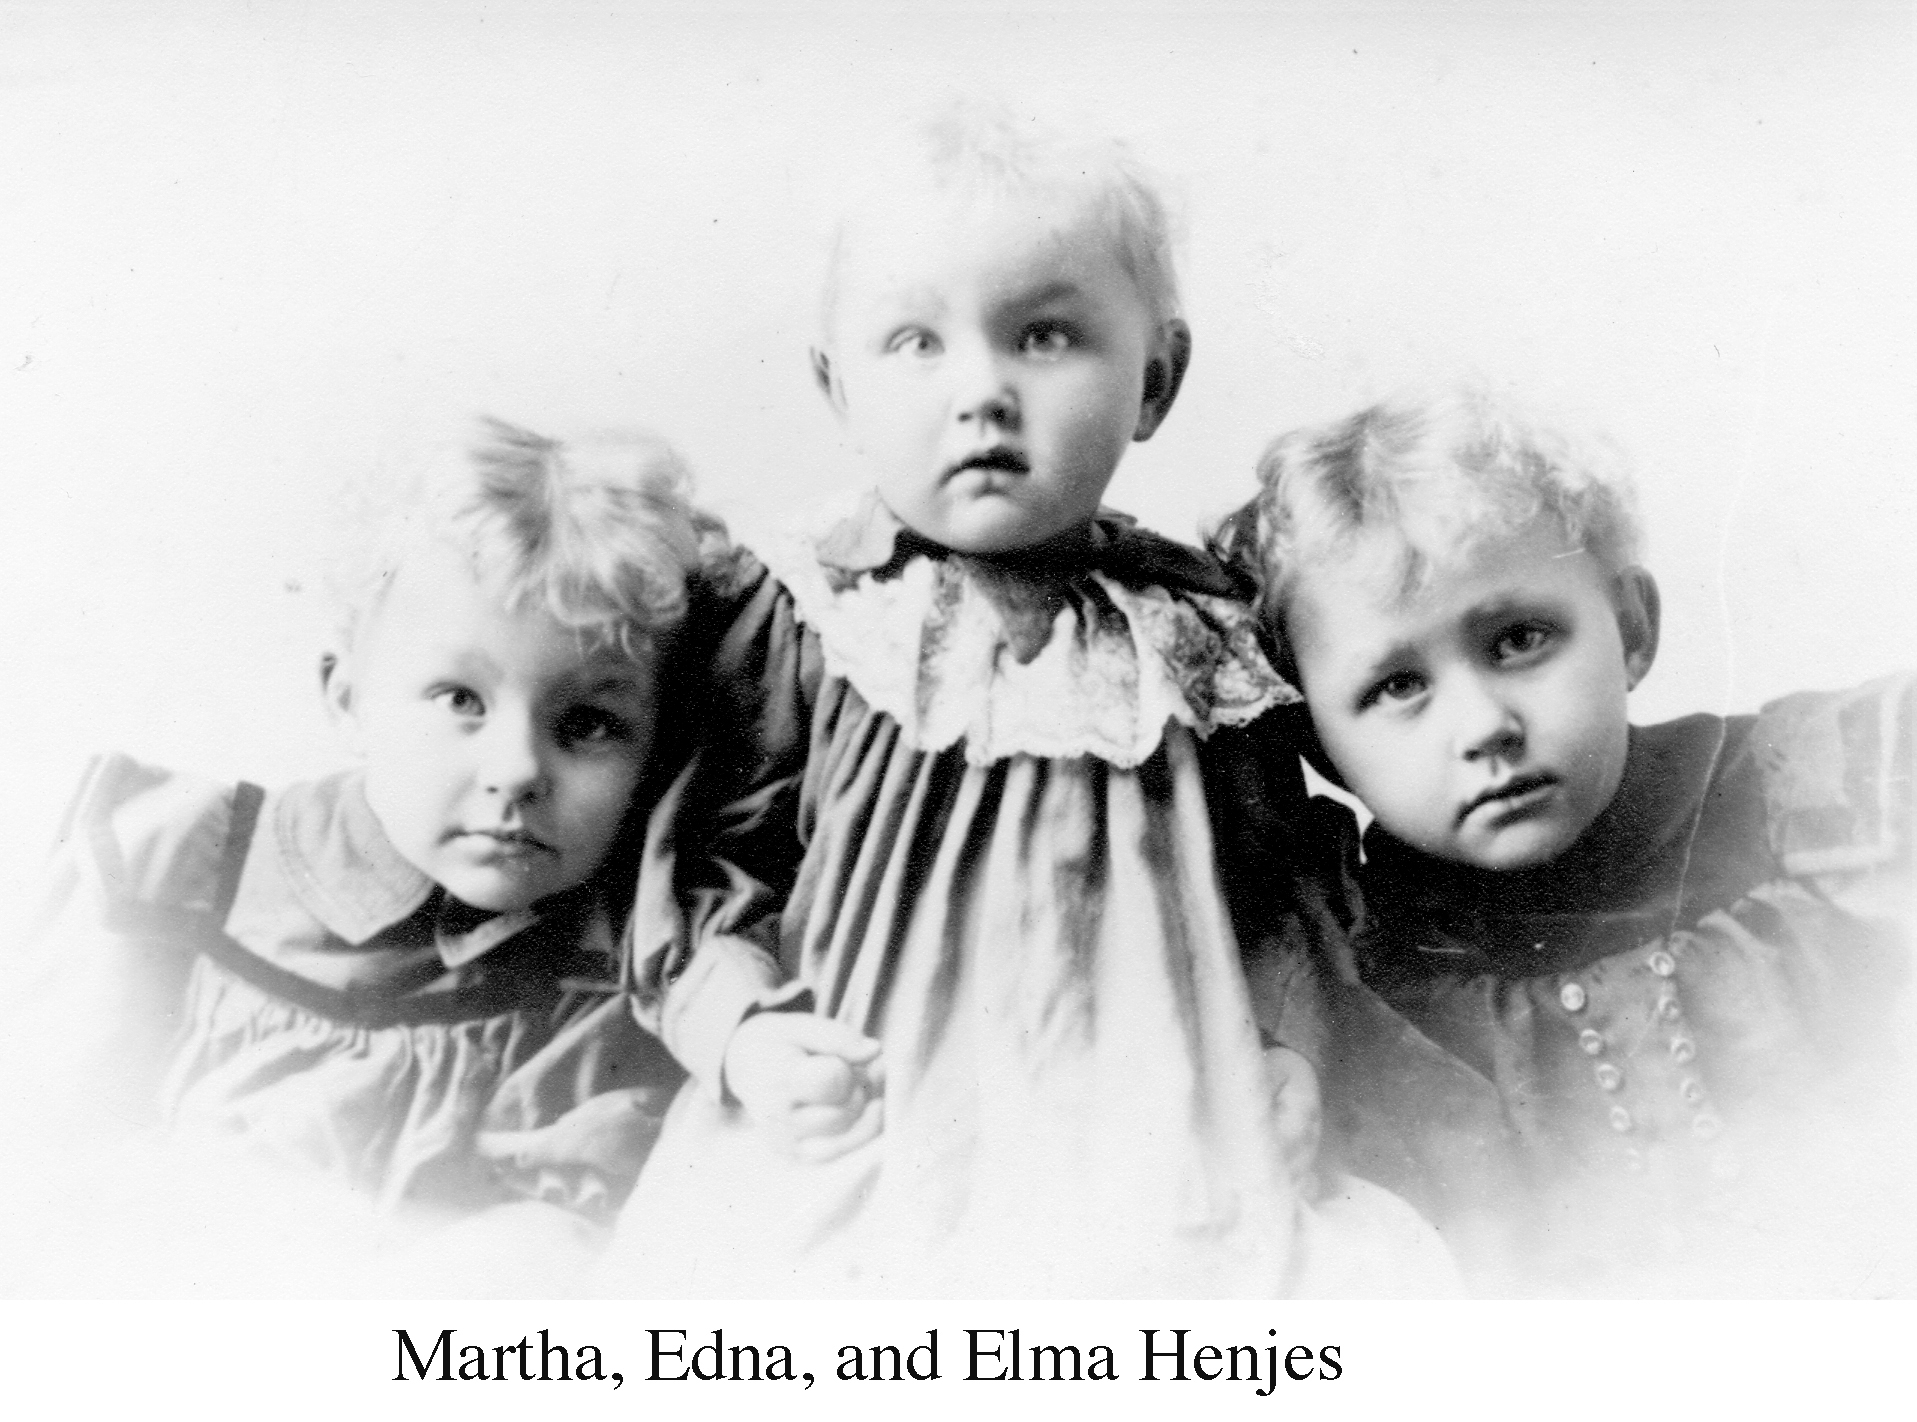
x,y
812,1081
1297,1115
610,1133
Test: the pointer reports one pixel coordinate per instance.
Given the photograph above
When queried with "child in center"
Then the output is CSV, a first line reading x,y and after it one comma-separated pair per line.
x,y
403,980
951,957
1621,1000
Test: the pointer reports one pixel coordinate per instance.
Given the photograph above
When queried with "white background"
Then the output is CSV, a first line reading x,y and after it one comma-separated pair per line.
x,y
250,250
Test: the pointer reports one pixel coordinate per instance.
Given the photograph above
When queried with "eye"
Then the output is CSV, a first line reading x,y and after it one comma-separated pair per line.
x,y
590,725
1045,339
913,340
462,701
1522,641
1399,689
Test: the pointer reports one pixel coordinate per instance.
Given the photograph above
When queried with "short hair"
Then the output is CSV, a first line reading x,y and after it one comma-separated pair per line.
x,y
599,532
969,150
1443,472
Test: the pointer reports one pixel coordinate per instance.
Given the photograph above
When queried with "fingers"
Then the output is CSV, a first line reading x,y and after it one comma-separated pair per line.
x,y
820,1148
827,1036
812,1081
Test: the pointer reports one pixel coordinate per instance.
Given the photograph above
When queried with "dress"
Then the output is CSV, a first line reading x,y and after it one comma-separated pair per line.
x,y
265,973
1662,1062
977,792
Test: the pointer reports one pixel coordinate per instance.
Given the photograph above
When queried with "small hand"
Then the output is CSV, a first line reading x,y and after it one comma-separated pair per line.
x,y
610,1133
815,1083
1297,1114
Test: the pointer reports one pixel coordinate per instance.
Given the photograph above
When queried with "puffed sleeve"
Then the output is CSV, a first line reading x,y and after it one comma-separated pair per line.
x,y
92,993
724,846
1839,801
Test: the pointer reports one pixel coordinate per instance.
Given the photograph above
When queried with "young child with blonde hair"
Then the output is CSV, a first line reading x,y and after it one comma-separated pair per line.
x,y
956,955
405,979
1615,1008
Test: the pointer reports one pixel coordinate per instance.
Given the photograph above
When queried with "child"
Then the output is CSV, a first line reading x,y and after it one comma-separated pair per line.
x,y
1620,984
404,978
961,1000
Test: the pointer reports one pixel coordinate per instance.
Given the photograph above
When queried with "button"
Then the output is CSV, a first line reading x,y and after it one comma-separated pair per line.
x,y
1668,1009
1620,1119
1572,996
1705,1126
1608,1076
1682,1050
1692,1090
1591,1040
1662,963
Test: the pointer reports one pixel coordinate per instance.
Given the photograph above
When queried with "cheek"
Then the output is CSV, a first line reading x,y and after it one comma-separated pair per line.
x,y
1385,766
598,797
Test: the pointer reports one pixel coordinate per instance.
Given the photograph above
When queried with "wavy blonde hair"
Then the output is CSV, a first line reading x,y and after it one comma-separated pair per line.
x,y
598,532
1443,472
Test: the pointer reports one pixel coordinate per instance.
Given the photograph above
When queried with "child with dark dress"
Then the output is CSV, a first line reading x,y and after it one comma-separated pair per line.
x,y
952,962
1620,1001
405,979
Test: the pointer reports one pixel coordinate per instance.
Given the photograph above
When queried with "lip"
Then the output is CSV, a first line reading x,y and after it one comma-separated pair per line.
x,y
1516,795
999,459
506,843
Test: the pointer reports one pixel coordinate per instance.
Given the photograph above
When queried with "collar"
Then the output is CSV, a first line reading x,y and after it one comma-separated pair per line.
x,y
872,539
347,874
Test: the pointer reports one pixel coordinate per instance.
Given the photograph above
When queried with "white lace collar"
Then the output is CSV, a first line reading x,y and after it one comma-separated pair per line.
x,y
1094,660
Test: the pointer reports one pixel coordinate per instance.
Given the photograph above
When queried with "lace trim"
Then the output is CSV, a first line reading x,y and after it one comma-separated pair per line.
x,y
954,650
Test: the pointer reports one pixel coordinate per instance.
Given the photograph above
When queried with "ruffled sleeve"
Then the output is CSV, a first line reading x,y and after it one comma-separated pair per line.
x,y
1838,792
93,993
724,845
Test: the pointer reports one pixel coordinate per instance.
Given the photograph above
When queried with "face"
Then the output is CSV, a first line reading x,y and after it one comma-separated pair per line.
x,y
991,363
500,758
1482,720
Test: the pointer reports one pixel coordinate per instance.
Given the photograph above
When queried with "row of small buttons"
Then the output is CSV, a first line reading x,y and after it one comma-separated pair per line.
x,y
1610,1077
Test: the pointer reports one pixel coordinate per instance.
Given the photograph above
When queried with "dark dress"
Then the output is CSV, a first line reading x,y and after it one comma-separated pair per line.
x,y
1664,1060
266,974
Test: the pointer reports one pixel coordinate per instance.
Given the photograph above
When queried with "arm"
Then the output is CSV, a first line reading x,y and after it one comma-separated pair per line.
x,y
90,991
723,845
1840,790
722,851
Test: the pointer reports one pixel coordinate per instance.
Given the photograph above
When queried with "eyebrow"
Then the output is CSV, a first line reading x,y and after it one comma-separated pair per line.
x,y
614,681
1391,659
1059,289
1502,605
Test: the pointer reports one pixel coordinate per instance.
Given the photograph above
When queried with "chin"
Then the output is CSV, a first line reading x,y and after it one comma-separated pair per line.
x,y
1512,852
491,895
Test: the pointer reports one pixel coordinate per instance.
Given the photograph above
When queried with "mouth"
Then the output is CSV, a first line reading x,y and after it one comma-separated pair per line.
x,y
505,843
1000,459
1516,795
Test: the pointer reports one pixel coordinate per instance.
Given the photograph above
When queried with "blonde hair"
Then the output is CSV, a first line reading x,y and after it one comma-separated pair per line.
x,y
968,151
598,532
1443,472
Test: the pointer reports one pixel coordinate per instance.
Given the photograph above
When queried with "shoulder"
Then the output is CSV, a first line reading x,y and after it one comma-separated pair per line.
x,y
1836,772
157,837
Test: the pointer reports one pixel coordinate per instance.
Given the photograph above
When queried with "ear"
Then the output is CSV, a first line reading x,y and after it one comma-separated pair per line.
x,y
824,377
1164,373
336,690
1638,613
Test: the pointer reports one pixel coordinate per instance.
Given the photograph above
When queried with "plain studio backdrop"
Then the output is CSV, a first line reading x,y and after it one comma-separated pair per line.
x,y
252,250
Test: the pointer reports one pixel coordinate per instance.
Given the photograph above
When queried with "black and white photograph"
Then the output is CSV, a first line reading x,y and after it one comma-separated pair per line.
x,y
833,658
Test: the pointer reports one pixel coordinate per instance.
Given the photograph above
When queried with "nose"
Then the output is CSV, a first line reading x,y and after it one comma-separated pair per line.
x,y
984,392
1485,723
511,762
